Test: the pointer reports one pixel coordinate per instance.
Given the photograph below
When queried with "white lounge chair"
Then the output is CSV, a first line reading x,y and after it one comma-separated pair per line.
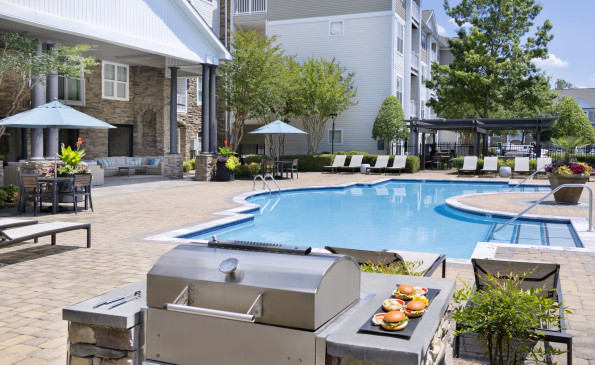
x,y
337,162
399,164
521,166
354,164
381,164
34,231
490,164
469,165
541,163
11,223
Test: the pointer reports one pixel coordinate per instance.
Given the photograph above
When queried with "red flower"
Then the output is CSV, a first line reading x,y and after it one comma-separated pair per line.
x,y
79,141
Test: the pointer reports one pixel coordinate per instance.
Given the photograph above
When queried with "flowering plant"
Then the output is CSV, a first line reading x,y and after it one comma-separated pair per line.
x,y
71,160
578,168
228,156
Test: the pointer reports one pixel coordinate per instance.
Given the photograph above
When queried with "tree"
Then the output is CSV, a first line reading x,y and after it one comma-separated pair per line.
x,y
562,84
322,87
251,81
572,121
389,124
19,59
492,67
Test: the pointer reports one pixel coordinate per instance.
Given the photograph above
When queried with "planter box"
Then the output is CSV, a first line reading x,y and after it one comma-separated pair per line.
x,y
223,173
567,195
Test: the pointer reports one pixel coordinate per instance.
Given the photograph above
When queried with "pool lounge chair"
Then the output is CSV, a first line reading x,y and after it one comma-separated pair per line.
x,y
428,262
541,274
11,223
34,231
521,166
381,164
337,162
399,164
490,164
354,164
541,163
469,165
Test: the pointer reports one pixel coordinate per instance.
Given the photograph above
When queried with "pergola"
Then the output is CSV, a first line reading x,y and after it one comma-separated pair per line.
x,y
479,127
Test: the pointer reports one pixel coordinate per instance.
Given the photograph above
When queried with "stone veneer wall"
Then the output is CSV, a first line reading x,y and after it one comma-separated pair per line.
x,y
99,345
173,166
204,167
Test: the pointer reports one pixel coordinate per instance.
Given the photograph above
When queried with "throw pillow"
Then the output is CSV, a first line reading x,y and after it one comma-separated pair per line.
x,y
156,162
150,161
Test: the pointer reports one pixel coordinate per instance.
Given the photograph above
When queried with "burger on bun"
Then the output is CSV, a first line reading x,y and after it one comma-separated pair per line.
x,y
394,321
405,292
415,308
392,305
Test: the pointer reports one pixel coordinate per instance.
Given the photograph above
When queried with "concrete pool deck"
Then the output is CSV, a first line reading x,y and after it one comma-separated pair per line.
x,y
38,280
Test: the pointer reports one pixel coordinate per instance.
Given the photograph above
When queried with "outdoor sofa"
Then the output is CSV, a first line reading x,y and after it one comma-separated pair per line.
x,y
153,164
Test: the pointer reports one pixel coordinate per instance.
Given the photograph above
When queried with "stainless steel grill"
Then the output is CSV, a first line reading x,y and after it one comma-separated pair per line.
x,y
218,305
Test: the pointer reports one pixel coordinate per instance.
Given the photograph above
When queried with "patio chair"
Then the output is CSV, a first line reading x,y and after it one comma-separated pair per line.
x,y
80,188
521,166
34,231
268,167
379,166
398,165
469,165
490,164
541,163
293,168
337,162
29,184
11,223
354,164
429,262
541,275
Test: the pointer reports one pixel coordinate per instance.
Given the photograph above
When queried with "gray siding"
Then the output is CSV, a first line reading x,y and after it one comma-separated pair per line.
x,y
400,8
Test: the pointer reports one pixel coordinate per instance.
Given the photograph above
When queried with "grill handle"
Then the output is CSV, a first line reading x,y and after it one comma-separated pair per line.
x,y
254,312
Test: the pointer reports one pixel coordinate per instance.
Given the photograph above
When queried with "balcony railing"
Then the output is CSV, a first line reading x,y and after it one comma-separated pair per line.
x,y
415,10
413,111
433,55
414,60
250,6
182,103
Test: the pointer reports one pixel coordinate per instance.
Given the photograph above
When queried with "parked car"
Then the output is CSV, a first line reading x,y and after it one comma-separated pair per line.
x,y
592,152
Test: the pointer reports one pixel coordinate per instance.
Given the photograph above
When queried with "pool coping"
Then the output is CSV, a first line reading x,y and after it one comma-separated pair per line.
x,y
241,214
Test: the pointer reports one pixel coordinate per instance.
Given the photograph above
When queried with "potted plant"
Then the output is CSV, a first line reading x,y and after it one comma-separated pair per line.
x,y
226,163
568,173
70,161
504,317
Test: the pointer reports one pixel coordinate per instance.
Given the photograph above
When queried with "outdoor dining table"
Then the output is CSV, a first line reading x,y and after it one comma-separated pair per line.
x,y
55,182
280,167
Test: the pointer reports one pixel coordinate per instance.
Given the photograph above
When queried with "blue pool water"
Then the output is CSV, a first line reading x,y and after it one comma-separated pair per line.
x,y
405,215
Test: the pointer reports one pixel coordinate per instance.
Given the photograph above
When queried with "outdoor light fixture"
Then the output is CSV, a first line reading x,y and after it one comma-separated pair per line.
x,y
334,116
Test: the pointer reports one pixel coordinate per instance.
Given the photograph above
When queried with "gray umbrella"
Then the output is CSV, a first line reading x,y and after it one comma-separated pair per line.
x,y
277,127
54,115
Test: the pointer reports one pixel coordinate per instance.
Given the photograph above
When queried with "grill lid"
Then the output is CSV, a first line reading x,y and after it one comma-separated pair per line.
x,y
302,291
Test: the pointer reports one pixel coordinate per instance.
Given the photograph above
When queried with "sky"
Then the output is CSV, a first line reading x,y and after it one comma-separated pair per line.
x,y
571,51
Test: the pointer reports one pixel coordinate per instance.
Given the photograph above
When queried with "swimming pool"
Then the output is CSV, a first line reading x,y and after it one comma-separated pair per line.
x,y
397,214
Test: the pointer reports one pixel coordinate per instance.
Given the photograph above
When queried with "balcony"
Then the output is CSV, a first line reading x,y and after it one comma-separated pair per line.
x,y
415,13
250,6
413,111
414,60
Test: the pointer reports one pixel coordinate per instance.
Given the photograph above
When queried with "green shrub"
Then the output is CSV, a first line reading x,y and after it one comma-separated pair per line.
x,y
311,163
248,159
186,166
3,198
9,194
412,164
247,170
192,164
457,162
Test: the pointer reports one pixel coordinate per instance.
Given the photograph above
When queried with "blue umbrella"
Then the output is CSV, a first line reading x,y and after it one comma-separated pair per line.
x,y
277,127
54,115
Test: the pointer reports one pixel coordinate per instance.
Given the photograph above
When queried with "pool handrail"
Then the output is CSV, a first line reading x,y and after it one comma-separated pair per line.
x,y
264,182
550,193
527,178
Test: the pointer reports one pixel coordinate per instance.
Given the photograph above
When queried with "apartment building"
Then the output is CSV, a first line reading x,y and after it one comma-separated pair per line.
x,y
389,44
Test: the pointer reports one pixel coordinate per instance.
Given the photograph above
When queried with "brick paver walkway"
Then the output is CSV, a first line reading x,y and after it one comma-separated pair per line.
x,y
38,280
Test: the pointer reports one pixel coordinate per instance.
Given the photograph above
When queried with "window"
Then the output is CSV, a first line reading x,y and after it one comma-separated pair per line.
x,y
114,81
182,95
400,32
400,89
199,90
423,72
423,109
338,136
336,28
71,91
424,42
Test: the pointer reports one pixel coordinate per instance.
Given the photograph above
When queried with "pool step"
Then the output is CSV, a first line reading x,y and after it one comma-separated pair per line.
x,y
533,233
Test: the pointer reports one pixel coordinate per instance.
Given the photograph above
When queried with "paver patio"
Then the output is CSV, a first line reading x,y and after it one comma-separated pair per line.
x,y
38,280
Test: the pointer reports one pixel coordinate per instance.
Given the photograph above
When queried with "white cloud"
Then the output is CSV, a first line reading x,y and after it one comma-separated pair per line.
x,y
453,22
592,78
441,30
551,61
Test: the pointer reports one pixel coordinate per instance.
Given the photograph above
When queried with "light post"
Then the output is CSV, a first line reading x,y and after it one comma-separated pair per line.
x,y
334,116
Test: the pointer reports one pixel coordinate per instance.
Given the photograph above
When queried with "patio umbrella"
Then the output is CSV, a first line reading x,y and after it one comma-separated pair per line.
x,y
277,127
54,115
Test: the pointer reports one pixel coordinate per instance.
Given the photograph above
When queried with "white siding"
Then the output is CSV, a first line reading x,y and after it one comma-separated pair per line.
x,y
364,49
399,59
209,10
162,27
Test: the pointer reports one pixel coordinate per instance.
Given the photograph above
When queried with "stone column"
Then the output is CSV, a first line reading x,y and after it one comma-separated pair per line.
x,y
173,166
212,111
206,84
37,99
173,111
204,166
53,134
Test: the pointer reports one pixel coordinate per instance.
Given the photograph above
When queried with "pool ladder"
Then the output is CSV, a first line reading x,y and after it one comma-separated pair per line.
x,y
264,182
528,177
544,197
